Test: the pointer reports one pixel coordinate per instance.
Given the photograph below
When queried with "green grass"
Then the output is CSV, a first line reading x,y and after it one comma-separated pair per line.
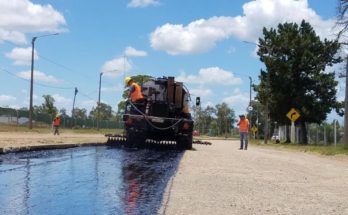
x,y
320,149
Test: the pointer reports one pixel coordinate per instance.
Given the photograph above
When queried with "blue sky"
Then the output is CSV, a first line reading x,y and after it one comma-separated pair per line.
x,y
198,42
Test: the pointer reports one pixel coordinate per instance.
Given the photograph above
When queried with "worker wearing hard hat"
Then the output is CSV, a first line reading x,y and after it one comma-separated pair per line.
x,y
134,90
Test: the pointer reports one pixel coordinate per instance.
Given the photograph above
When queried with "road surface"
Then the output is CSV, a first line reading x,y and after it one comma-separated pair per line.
x,y
220,179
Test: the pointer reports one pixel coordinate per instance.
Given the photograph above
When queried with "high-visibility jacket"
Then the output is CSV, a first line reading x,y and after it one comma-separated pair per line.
x,y
243,125
136,93
56,121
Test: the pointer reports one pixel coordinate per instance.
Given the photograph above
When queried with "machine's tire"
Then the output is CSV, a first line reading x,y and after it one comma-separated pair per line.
x,y
184,142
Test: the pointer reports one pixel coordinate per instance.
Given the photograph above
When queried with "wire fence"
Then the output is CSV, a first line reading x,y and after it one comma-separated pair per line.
x,y
323,134
16,117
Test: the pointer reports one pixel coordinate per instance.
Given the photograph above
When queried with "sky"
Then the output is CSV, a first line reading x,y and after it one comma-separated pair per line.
x,y
198,42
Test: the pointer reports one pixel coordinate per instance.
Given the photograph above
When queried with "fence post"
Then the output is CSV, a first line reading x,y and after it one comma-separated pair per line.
x,y
325,137
317,137
335,133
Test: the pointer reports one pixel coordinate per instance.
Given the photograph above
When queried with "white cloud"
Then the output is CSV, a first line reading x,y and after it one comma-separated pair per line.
x,y
18,17
21,56
202,92
142,3
61,101
116,67
7,98
39,76
212,75
132,52
203,34
12,36
110,89
239,101
88,104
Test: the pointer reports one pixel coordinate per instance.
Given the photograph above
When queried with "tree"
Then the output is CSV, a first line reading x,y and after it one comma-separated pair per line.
x,y
48,105
105,112
225,118
62,113
80,113
295,60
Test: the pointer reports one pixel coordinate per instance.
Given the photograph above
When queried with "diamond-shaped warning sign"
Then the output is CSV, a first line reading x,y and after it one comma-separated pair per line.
x,y
293,115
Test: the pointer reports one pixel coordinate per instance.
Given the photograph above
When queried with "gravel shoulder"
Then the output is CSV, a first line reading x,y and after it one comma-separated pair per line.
x,y
220,179
12,140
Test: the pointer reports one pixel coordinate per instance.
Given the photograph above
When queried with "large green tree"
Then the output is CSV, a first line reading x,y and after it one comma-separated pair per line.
x,y
48,105
295,76
105,112
80,113
225,118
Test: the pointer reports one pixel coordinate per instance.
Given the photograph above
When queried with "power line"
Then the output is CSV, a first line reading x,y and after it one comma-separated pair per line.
x,y
38,84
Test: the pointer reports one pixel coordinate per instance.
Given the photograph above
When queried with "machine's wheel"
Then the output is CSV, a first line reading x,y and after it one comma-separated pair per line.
x,y
184,142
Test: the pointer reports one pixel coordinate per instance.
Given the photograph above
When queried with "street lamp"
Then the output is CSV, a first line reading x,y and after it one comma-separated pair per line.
x,y
266,102
98,105
32,77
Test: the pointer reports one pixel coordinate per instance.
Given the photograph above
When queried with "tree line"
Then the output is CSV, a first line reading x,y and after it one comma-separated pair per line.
x,y
48,107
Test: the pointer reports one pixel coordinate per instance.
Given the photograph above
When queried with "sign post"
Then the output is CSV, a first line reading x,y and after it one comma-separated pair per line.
x,y
293,115
254,130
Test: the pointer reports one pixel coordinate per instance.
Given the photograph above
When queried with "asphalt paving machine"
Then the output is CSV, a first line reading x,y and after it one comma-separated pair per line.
x,y
162,118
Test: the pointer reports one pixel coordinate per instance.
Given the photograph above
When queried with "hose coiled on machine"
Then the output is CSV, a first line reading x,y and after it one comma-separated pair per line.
x,y
150,123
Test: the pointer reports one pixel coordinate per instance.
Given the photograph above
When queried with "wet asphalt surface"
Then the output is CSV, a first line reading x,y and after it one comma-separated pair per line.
x,y
86,180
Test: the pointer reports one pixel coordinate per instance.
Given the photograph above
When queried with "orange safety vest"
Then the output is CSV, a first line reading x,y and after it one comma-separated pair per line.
x,y
243,125
136,94
56,121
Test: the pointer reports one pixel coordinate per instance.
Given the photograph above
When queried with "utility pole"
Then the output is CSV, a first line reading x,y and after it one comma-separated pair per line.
x,y
266,131
251,82
346,109
73,107
31,84
32,78
345,130
98,105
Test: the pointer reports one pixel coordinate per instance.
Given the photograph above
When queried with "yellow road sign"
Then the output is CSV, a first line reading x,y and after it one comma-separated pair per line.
x,y
254,129
293,115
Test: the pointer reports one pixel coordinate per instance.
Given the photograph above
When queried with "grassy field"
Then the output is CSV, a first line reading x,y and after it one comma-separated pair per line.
x,y
320,149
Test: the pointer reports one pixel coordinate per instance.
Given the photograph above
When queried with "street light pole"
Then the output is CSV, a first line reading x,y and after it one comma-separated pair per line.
x,y
32,78
251,82
345,129
266,131
98,106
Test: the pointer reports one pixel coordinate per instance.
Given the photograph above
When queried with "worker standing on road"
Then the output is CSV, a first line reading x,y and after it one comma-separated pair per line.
x,y
243,131
56,123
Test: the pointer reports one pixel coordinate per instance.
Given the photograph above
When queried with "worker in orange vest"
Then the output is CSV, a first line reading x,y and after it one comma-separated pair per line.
x,y
243,131
134,90
56,123
136,97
